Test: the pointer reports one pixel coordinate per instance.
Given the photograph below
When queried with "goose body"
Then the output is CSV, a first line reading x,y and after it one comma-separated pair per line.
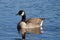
x,y
32,25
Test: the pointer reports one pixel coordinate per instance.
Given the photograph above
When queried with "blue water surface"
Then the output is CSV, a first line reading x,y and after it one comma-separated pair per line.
x,y
48,9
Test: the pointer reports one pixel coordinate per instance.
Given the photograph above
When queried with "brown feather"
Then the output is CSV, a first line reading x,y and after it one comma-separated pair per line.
x,y
34,20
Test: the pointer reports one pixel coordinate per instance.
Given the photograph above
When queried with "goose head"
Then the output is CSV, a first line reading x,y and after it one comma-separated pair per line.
x,y
21,13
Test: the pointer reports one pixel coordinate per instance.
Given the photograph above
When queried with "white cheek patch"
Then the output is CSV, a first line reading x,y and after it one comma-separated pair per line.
x,y
22,14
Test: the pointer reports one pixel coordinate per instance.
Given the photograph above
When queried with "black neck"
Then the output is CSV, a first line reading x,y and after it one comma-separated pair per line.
x,y
24,18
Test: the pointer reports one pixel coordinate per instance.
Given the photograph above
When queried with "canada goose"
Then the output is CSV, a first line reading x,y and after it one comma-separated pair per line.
x,y
32,25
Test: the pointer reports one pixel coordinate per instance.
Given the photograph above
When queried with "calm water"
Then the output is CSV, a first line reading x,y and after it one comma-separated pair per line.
x,y
49,9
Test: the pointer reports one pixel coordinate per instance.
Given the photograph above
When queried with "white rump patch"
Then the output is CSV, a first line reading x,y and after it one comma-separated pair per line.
x,y
41,25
